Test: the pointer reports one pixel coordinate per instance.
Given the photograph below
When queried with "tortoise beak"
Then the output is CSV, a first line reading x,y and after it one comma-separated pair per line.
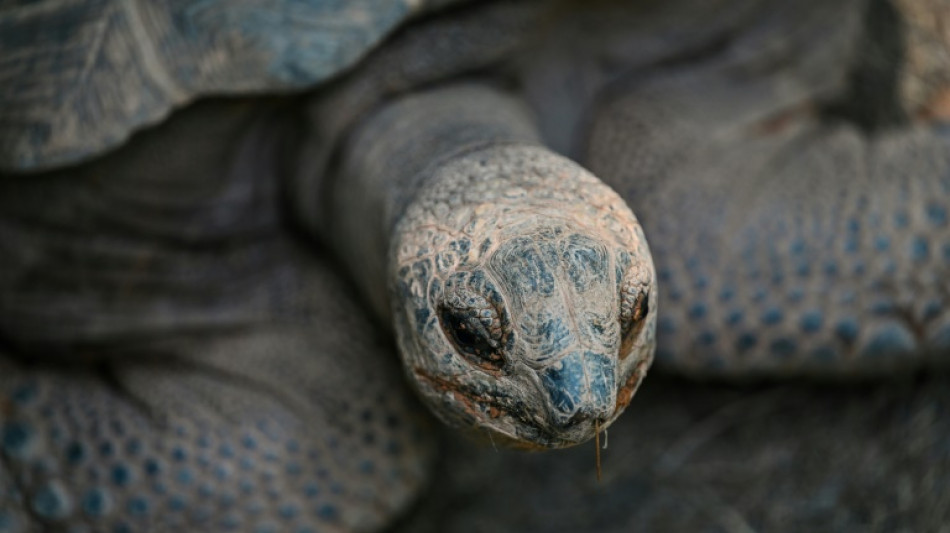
x,y
580,387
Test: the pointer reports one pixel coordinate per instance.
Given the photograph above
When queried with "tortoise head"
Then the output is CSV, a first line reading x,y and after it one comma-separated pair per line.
x,y
524,297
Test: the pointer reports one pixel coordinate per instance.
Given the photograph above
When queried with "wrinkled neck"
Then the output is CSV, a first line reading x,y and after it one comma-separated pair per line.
x,y
391,155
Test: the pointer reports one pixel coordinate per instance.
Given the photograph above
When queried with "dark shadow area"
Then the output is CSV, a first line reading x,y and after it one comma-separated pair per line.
x,y
693,457
872,100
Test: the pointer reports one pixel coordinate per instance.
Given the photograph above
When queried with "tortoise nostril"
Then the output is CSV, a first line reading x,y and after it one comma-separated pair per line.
x,y
580,387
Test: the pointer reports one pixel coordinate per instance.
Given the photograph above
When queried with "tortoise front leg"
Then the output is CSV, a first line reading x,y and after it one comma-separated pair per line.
x,y
294,424
797,228
175,359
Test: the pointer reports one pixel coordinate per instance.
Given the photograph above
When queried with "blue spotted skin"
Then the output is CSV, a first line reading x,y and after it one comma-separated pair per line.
x,y
279,413
200,450
802,246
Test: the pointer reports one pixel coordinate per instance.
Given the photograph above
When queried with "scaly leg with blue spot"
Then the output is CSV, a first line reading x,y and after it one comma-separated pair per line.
x,y
799,214
177,359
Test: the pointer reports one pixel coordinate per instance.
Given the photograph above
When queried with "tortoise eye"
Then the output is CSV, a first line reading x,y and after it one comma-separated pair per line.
x,y
476,333
634,307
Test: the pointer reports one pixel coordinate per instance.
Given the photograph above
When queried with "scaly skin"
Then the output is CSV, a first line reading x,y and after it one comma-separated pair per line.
x,y
684,136
800,219
177,359
554,280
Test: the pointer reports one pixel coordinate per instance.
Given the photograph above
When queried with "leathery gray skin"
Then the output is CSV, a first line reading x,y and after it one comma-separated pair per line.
x,y
520,287
261,400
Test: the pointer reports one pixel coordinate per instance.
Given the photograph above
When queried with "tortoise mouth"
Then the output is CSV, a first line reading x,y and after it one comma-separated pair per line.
x,y
502,418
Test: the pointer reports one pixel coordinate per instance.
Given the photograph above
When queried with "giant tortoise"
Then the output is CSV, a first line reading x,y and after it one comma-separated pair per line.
x,y
219,219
